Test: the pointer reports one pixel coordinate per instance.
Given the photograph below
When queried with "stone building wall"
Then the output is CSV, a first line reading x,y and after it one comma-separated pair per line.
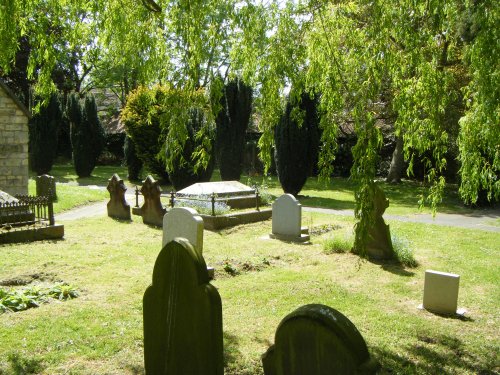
x,y
13,144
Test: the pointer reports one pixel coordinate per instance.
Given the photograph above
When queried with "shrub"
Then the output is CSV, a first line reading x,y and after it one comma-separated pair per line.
x,y
43,136
141,117
338,244
87,134
403,251
232,122
297,140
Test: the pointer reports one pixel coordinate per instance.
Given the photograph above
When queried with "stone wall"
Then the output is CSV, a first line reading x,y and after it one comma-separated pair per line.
x,y
13,145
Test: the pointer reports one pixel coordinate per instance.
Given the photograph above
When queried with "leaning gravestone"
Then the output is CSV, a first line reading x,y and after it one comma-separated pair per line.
x,y
287,217
441,292
379,243
317,340
152,210
182,315
46,187
118,206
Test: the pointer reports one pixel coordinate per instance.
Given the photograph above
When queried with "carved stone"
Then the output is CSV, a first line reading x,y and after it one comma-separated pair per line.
x,y
118,206
152,210
379,244
46,187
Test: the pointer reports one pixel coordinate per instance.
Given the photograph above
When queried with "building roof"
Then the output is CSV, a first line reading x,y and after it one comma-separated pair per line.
x,y
16,100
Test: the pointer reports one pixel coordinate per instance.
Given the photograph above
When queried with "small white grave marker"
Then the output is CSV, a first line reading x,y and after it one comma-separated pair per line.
x,y
441,292
287,216
185,222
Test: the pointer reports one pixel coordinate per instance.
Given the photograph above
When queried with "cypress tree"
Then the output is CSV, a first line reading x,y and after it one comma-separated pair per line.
x,y
231,124
87,134
43,130
134,164
296,139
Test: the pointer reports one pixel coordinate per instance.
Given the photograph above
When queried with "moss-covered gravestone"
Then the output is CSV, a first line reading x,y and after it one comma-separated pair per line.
x,y
317,340
379,244
117,206
152,210
182,315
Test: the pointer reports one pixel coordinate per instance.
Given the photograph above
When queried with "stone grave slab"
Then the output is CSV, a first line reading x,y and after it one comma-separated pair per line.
x,y
441,292
182,315
46,187
235,194
317,340
286,220
117,206
152,210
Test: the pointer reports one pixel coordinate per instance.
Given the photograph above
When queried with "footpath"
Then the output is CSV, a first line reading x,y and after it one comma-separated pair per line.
x,y
482,219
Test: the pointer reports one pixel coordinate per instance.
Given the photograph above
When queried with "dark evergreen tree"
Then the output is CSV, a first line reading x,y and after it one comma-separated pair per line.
x,y
296,140
87,134
43,129
134,164
231,124
182,173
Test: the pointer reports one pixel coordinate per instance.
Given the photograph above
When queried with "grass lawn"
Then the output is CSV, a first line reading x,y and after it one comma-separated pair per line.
x,y
111,262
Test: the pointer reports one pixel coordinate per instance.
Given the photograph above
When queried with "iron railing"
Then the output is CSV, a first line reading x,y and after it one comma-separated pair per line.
x,y
28,210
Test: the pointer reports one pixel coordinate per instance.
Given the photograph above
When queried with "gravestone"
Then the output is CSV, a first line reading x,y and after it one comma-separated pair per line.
x,y
152,210
317,340
46,187
379,243
287,217
182,315
441,292
118,206
186,223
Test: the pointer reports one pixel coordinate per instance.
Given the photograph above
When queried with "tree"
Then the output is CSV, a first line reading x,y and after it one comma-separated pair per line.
x,y
43,129
87,135
231,124
134,164
296,139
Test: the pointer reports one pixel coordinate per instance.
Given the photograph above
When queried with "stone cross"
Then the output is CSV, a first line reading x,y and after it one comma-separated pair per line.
x,y
317,340
441,292
182,315
46,187
118,206
287,217
186,223
152,210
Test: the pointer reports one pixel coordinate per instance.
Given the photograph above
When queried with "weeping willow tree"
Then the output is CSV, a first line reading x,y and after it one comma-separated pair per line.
x,y
347,52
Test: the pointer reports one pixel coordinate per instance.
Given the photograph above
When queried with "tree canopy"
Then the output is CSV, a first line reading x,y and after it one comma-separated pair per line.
x,y
352,54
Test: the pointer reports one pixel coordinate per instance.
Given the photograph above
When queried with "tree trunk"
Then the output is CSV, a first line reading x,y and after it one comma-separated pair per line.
x,y
397,162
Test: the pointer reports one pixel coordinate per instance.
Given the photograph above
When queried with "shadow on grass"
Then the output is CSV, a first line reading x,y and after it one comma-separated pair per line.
x,y
332,203
136,369
232,352
22,366
435,354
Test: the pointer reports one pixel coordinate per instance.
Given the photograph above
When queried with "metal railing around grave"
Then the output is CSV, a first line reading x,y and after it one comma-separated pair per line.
x,y
173,197
28,210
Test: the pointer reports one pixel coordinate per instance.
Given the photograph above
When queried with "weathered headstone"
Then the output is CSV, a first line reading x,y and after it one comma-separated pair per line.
x,y
182,315
317,340
152,210
118,206
46,186
186,223
379,243
441,292
287,218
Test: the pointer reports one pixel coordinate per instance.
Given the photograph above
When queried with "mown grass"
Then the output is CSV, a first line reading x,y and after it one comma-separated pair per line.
x,y
110,262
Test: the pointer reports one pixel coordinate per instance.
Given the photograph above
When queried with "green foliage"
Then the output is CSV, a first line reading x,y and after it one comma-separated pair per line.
x,y
43,135
403,251
338,244
87,134
296,138
133,163
203,205
20,300
231,124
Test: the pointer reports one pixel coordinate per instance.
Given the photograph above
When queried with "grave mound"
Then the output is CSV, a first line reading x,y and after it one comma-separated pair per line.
x,y
237,194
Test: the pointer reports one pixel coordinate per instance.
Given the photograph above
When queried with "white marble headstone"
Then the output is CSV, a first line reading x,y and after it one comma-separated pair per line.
x,y
287,216
186,223
441,292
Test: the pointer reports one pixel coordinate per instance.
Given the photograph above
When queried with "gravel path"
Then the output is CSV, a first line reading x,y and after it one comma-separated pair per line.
x,y
478,219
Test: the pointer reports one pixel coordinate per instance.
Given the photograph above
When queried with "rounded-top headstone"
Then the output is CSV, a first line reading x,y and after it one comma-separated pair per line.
x,y
183,222
287,216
